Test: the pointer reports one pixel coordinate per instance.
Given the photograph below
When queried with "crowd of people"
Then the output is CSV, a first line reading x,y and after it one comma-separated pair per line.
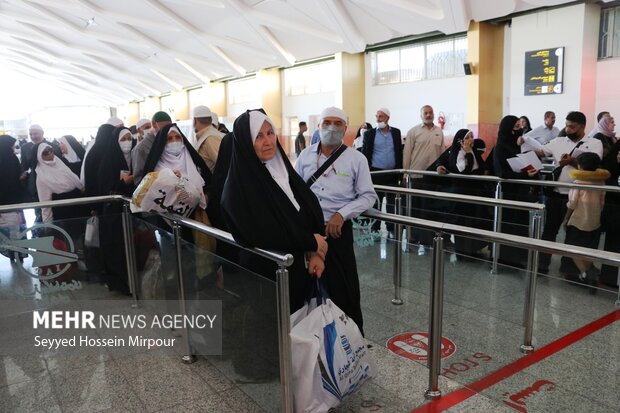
x,y
250,188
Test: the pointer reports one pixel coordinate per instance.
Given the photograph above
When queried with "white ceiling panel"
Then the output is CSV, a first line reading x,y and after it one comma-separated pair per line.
x,y
127,49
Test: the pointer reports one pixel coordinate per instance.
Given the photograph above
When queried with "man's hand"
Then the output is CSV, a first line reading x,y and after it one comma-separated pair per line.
x,y
321,245
316,266
566,159
334,226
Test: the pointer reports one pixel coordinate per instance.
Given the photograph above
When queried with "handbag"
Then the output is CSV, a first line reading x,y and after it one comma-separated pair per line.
x,y
91,235
330,357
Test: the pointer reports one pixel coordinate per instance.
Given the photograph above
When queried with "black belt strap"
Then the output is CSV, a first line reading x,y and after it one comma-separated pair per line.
x,y
327,163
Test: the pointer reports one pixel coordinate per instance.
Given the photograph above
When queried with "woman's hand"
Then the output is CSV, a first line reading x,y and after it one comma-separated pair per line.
x,y
177,173
316,265
468,145
532,173
442,170
321,245
127,179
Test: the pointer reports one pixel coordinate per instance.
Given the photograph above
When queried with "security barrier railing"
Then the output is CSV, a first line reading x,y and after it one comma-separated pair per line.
x,y
437,278
283,261
498,209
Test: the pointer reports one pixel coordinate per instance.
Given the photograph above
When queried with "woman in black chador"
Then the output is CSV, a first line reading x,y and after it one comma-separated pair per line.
x,y
266,204
514,221
465,158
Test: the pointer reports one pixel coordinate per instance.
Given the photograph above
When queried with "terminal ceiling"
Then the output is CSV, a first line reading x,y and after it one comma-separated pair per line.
x,y
118,51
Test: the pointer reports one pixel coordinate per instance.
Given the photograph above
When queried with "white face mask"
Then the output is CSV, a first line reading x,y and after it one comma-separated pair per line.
x,y
331,135
380,125
174,148
149,132
125,146
362,132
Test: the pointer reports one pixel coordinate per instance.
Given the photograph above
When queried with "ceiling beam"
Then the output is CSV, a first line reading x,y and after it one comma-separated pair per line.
x,y
347,26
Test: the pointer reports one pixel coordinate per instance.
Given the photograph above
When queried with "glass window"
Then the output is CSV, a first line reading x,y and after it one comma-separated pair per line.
x,y
609,33
309,79
242,91
430,60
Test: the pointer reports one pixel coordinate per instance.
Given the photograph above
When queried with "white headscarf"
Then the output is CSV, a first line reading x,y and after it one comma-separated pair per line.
x,y
275,165
183,163
128,154
70,156
55,174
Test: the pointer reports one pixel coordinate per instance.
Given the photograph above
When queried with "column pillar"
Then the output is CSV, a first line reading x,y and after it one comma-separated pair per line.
x,y
350,91
485,51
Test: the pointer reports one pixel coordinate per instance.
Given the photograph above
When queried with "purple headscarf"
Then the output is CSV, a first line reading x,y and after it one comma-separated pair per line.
x,y
605,126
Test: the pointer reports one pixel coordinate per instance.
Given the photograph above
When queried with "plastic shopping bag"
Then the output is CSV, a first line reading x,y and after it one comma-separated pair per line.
x,y
91,235
163,191
330,357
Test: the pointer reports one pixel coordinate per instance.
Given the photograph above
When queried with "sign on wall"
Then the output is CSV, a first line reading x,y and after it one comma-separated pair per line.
x,y
544,71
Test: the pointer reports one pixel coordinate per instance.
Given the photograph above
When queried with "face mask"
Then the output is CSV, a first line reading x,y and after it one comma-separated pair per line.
x,y
517,132
380,125
149,132
174,148
571,136
331,135
125,146
362,132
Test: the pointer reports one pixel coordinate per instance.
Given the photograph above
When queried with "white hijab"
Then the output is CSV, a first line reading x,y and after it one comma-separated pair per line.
x,y
275,165
55,174
70,156
183,163
128,154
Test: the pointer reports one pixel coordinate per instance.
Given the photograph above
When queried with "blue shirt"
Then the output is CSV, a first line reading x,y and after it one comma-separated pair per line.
x,y
316,137
345,187
383,151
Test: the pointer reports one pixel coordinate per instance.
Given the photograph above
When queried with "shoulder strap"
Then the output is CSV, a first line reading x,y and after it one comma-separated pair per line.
x,y
327,164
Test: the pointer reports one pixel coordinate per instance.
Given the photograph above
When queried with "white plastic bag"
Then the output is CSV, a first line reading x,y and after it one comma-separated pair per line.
x,y
330,357
163,191
91,235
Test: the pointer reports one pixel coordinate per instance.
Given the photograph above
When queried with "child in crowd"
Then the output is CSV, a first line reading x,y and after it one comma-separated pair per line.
x,y
583,217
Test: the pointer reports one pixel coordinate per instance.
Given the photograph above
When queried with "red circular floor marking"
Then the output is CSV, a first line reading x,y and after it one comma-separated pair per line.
x,y
414,346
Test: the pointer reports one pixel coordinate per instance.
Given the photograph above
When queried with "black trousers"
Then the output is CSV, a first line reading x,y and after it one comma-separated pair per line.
x,y
555,205
340,276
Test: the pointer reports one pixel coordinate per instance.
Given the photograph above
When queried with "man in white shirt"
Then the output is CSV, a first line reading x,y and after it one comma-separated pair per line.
x,y
344,190
546,132
564,150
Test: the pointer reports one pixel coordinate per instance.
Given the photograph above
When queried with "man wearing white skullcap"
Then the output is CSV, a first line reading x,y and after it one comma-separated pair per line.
x,y
383,148
208,138
340,178
143,127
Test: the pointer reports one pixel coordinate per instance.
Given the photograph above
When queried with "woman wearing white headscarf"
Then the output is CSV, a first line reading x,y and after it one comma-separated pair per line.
x,y
54,181
73,153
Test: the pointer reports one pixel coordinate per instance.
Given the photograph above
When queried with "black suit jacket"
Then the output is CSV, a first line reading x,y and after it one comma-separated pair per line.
x,y
369,146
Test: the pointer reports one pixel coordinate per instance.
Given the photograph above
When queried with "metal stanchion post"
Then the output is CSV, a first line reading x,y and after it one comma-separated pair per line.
x,y
284,338
176,230
530,303
407,180
130,253
435,323
398,254
497,227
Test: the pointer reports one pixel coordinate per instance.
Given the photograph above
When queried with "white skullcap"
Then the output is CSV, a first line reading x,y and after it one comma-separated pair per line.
x,y
214,118
332,112
114,121
384,110
36,127
142,122
202,112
